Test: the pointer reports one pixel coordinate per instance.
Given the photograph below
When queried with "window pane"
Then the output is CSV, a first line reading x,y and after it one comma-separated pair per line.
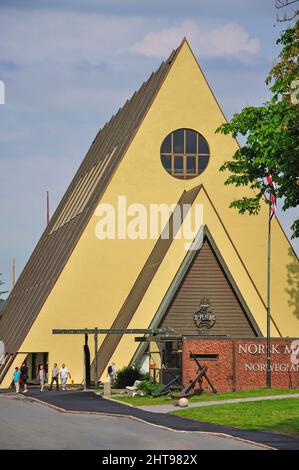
x,y
166,162
202,145
202,163
178,164
166,146
185,153
178,141
190,141
191,165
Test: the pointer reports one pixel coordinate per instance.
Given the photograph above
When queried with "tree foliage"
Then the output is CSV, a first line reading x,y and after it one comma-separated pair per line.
x,y
272,137
291,6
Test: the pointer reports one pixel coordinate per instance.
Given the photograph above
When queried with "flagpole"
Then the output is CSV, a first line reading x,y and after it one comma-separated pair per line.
x,y
13,273
268,300
48,207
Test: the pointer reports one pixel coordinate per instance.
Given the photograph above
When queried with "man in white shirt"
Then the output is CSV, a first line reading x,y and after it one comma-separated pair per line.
x,y
64,374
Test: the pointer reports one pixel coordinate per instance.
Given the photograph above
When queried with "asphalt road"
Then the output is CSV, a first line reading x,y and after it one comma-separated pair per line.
x,y
29,425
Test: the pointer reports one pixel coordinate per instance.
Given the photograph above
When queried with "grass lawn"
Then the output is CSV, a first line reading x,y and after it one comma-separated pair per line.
x,y
139,401
280,416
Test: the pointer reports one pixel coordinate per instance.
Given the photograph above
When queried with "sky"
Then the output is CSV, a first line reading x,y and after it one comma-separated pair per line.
x,y
68,65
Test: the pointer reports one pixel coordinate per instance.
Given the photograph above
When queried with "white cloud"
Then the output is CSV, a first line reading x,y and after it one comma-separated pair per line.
x,y
65,37
230,40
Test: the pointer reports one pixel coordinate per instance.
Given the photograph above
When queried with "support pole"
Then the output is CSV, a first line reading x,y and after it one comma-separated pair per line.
x,y
47,207
84,355
96,368
268,303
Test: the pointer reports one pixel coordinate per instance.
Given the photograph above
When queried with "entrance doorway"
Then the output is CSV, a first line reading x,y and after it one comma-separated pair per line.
x,y
172,359
165,359
33,362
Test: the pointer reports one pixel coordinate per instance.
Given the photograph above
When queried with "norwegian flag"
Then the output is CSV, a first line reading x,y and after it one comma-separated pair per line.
x,y
272,197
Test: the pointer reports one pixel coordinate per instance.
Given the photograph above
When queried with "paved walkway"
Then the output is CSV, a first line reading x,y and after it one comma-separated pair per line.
x,y
88,402
170,408
28,425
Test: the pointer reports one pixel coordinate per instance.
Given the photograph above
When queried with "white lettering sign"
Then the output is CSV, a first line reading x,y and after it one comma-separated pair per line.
x,y
253,348
277,349
275,367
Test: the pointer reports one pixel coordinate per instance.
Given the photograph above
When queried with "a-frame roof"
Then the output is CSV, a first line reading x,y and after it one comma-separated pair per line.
x,y
74,211
1,305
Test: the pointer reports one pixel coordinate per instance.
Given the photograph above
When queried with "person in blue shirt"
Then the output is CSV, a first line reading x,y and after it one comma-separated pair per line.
x,y
16,379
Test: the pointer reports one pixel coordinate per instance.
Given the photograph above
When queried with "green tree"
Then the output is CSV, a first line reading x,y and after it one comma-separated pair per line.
x,y
272,137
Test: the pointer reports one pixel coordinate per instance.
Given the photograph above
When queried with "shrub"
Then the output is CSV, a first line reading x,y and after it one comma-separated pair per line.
x,y
127,376
148,386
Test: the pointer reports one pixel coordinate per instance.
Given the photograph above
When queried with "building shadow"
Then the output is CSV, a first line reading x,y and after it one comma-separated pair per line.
x,y
288,426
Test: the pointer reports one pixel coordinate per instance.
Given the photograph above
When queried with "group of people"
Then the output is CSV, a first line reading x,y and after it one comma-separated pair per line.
x,y
20,377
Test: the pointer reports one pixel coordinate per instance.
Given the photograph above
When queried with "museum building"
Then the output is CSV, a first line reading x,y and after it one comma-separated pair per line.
x,y
209,296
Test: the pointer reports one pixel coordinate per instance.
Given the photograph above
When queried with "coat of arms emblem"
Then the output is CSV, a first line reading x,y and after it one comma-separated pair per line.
x,y
204,318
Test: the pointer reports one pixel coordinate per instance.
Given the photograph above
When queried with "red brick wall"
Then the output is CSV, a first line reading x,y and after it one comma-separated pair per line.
x,y
238,369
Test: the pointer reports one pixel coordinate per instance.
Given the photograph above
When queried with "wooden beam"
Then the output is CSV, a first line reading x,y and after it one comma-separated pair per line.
x,y
99,331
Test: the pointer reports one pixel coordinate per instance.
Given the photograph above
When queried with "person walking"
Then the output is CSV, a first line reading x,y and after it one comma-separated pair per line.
x,y
24,377
64,374
16,379
111,372
55,377
41,377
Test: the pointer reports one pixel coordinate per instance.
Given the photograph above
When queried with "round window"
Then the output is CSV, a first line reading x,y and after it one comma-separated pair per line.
x,y
185,153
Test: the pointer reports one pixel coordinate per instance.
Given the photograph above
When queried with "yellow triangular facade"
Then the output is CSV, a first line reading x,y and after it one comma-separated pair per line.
x,y
100,274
